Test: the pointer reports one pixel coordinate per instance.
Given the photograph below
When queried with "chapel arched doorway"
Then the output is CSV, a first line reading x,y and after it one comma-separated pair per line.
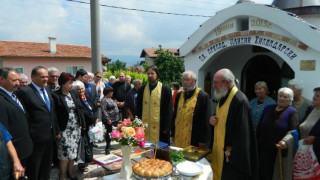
x,y
261,68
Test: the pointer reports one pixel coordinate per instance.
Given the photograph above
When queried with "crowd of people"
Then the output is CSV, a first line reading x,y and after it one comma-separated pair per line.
x,y
47,121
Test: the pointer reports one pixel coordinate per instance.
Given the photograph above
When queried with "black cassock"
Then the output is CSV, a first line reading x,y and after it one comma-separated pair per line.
x,y
243,161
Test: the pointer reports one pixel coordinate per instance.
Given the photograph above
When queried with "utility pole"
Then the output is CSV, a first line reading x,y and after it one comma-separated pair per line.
x,y
95,36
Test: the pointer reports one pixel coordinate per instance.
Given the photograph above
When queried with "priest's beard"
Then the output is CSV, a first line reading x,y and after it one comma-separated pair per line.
x,y
188,88
222,92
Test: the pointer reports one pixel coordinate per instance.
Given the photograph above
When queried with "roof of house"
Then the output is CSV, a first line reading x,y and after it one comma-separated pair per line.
x,y
151,54
35,49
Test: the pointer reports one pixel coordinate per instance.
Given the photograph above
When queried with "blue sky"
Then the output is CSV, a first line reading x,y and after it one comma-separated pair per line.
x,y
124,33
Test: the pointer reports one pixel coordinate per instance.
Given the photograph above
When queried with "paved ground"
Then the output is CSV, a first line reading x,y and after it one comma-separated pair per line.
x,y
95,171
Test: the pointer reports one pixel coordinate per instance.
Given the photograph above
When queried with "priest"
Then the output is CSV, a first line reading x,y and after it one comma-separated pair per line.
x,y
191,114
234,152
154,107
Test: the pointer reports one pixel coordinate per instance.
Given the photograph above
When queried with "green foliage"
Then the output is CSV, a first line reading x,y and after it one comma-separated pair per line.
x,y
134,75
170,67
176,156
145,65
116,66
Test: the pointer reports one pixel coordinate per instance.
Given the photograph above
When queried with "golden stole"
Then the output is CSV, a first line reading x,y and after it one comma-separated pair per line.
x,y
219,135
184,119
151,112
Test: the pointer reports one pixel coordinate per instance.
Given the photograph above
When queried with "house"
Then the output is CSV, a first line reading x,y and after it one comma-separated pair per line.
x,y
149,54
25,55
272,43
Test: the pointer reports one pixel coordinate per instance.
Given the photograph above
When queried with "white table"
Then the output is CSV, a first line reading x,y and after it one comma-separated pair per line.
x,y
207,172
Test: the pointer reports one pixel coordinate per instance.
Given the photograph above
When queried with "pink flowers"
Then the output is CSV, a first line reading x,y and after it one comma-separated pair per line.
x,y
142,143
116,134
126,122
129,133
139,133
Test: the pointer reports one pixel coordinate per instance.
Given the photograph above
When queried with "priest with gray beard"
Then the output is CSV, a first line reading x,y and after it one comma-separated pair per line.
x,y
234,151
191,114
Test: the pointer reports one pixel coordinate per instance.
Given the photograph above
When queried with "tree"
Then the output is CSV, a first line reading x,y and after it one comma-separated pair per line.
x,y
170,67
116,66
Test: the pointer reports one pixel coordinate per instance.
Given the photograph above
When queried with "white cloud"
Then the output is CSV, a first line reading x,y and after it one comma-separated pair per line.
x,y
123,32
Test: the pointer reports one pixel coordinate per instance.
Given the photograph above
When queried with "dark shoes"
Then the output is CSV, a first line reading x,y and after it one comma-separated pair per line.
x,y
72,178
107,151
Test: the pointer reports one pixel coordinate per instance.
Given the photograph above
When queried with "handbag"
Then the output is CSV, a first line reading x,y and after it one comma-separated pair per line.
x,y
85,149
305,163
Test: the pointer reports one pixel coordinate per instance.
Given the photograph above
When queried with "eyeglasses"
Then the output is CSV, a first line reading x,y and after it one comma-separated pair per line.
x,y
54,76
98,77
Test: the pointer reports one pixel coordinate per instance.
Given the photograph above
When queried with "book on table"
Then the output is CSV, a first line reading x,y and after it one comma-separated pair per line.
x,y
194,154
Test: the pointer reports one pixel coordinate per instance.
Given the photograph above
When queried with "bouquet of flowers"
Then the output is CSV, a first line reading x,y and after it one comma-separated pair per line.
x,y
130,133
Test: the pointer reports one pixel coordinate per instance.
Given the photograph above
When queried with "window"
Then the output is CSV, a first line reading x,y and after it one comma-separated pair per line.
x,y
19,69
73,69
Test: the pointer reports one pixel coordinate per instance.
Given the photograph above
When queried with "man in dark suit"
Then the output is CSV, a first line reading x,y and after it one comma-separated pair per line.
x,y
13,114
38,103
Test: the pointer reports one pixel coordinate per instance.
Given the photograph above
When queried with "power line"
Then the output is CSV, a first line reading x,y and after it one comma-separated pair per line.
x,y
141,10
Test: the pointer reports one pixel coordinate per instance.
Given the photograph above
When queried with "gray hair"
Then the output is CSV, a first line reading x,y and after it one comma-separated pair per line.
x,y
136,82
90,74
287,91
112,77
227,75
296,83
191,73
52,69
77,84
23,76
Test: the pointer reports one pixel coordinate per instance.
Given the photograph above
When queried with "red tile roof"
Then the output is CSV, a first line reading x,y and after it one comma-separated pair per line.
x,y
34,49
151,54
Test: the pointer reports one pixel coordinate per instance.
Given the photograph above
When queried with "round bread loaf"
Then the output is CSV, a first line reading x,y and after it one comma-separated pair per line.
x,y
152,168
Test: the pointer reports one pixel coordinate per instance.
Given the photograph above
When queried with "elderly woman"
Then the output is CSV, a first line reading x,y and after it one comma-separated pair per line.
x,y
299,102
70,121
276,121
309,129
110,114
90,116
260,102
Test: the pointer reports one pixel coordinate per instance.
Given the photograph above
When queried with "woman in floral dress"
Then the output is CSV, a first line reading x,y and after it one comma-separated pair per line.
x,y
70,121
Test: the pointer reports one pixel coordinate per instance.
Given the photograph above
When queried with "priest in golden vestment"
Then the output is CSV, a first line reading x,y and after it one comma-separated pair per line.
x,y
191,114
234,152
154,107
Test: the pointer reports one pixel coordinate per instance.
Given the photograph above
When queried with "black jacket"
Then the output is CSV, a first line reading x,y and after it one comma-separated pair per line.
x,y
62,111
15,121
89,116
42,122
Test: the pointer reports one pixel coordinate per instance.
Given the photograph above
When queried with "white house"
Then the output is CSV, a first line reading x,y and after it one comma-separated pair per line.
x,y
259,42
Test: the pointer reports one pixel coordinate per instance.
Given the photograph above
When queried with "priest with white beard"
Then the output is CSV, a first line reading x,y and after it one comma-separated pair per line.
x,y
234,151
